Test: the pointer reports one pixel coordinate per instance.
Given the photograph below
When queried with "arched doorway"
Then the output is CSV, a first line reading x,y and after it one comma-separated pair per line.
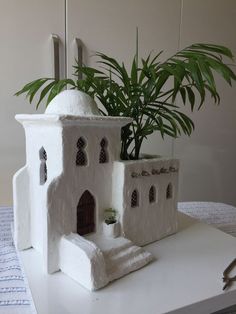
x,y
86,214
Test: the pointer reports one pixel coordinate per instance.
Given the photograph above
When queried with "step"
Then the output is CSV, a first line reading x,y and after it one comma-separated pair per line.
x,y
116,247
123,255
80,241
130,265
109,246
115,250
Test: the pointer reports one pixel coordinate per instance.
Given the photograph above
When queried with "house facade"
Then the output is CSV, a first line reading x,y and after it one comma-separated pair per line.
x,y
73,173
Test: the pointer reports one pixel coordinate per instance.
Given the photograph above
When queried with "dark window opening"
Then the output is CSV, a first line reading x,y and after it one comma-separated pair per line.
x,y
152,194
103,157
134,199
169,191
81,157
43,173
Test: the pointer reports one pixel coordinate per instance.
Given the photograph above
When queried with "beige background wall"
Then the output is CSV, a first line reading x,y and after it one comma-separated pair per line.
x,y
208,168
25,54
113,31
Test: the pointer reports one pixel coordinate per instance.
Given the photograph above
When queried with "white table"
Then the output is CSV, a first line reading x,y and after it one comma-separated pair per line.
x,y
186,278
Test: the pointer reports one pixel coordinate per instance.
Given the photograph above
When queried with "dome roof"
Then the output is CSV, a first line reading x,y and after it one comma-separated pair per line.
x,y
74,103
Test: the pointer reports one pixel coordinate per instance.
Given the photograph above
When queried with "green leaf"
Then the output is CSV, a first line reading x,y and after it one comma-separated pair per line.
x,y
34,89
54,91
223,70
183,94
134,72
27,87
44,93
222,50
146,92
206,73
191,96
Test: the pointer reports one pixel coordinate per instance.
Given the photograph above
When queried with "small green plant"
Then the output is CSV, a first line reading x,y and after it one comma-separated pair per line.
x,y
110,216
148,92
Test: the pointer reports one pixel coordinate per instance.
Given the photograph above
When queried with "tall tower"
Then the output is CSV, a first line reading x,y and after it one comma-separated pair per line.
x,y
67,181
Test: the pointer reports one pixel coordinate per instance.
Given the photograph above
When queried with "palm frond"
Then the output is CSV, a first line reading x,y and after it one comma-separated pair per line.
x,y
142,94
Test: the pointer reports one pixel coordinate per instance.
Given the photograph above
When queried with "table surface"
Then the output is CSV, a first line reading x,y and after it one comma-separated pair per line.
x,y
186,277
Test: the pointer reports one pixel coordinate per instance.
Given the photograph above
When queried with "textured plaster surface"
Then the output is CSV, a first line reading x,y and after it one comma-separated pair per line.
x,y
65,191
22,209
147,222
111,230
53,205
50,138
72,102
95,260
72,120
46,214
83,261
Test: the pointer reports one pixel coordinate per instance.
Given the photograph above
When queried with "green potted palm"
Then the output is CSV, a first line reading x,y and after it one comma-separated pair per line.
x,y
142,92
148,94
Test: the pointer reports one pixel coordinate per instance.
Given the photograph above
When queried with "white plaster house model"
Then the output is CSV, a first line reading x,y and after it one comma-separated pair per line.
x,y
72,174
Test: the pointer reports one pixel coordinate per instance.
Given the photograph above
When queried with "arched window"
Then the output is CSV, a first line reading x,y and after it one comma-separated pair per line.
x,y
134,199
103,157
152,194
169,191
43,175
81,156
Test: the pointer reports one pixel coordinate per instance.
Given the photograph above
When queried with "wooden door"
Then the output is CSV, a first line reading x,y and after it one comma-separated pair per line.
x,y
86,214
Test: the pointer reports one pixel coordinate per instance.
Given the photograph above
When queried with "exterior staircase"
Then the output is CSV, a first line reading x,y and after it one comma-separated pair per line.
x,y
95,260
121,256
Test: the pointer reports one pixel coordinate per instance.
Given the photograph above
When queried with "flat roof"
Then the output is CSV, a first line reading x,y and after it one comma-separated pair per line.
x,y
72,120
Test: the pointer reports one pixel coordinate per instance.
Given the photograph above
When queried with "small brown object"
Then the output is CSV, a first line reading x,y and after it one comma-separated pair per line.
x,y
229,280
164,170
156,171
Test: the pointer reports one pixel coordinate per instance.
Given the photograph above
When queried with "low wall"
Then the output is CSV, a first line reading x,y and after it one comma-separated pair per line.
x,y
145,219
22,222
83,261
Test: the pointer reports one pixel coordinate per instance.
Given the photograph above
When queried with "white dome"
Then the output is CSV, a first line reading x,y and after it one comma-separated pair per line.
x,y
74,103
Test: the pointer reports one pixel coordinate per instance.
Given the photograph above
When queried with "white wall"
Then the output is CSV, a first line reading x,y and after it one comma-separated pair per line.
x,y
67,189
109,26
146,222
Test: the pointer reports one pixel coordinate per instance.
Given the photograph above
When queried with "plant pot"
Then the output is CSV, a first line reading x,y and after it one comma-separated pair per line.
x,y
111,230
145,195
